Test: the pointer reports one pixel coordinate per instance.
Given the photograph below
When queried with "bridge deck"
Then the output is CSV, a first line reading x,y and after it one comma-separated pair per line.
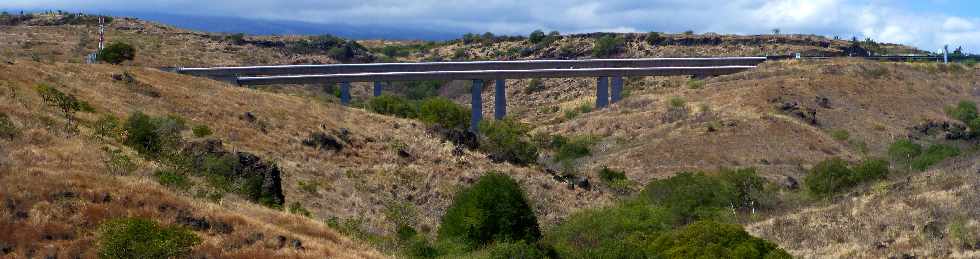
x,y
467,66
492,74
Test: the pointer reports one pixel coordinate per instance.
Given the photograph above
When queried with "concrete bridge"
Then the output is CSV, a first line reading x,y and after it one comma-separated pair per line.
x,y
606,72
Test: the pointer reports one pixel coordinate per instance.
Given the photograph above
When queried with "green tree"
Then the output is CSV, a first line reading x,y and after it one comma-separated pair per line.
x,y
709,239
494,209
445,112
607,46
66,103
691,196
828,177
653,38
117,52
536,36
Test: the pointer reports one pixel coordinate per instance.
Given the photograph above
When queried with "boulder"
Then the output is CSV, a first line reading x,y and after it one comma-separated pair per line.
x,y
457,136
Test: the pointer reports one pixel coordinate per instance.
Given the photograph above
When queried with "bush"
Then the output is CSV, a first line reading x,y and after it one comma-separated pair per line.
x,y
418,247
393,105
445,112
534,86
297,208
536,36
143,238
750,189
574,148
7,128
904,150
507,140
607,45
829,177
609,176
421,90
152,137
965,111
933,155
709,239
676,102
66,103
695,84
493,209
116,53
173,179
870,169
201,131
691,196
108,127
518,249
620,231
118,163
653,38
840,135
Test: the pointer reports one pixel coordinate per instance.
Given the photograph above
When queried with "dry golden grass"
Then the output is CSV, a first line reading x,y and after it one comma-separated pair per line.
x,y
908,215
359,182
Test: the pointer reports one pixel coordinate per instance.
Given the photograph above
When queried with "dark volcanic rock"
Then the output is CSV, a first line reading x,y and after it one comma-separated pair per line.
x,y
809,115
259,180
457,136
199,224
323,141
948,130
790,183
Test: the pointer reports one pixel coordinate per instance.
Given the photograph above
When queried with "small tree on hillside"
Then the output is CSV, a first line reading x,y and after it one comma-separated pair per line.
x,y
536,36
66,103
117,52
495,209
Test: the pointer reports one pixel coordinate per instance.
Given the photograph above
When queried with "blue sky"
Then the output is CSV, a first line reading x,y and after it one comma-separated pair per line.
x,y
927,24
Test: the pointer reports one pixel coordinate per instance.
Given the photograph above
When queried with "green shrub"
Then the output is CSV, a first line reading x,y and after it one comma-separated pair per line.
x,y
66,103
445,112
840,134
653,38
517,249
709,239
493,209
829,177
574,148
904,150
108,127
118,163
870,169
536,36
750,189
297,208
676,102
172,178
7,128
620,231
607,46
116,53
964,111
932,155
152,137
144,238
421,90
609,176
507,140
393,105
340,53
691,196
695,84
201,131
419,247
534,86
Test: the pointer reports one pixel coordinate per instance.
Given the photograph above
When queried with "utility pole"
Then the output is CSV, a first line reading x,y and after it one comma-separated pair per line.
x,y
101,33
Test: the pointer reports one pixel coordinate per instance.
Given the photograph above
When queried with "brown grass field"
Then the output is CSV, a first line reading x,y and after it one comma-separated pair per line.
x,y
56,189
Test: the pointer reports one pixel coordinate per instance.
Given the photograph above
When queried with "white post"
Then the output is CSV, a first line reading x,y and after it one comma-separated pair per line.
x,y
945,54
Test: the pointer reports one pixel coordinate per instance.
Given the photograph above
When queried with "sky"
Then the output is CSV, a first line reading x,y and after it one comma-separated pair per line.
x,y
926,24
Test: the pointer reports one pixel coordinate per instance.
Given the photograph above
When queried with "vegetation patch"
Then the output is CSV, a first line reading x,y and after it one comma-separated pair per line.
x,y
66,103
201,131
834,175
607,46
507,140
144,238
709,239
932,155
495,208
172,178
116,53
7,128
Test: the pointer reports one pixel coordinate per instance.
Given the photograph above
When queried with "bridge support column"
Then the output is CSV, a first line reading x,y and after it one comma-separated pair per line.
x,y
500,99
476,105
617,89
345,93
377,88
602,92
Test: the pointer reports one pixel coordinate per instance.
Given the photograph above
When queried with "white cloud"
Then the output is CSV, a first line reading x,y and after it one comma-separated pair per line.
x,y
882,20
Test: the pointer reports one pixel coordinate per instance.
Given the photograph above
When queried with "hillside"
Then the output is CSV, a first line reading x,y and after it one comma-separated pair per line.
x,y
366,173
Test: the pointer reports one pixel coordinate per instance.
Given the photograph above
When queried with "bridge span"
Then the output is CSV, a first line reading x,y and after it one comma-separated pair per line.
x,y
605,71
